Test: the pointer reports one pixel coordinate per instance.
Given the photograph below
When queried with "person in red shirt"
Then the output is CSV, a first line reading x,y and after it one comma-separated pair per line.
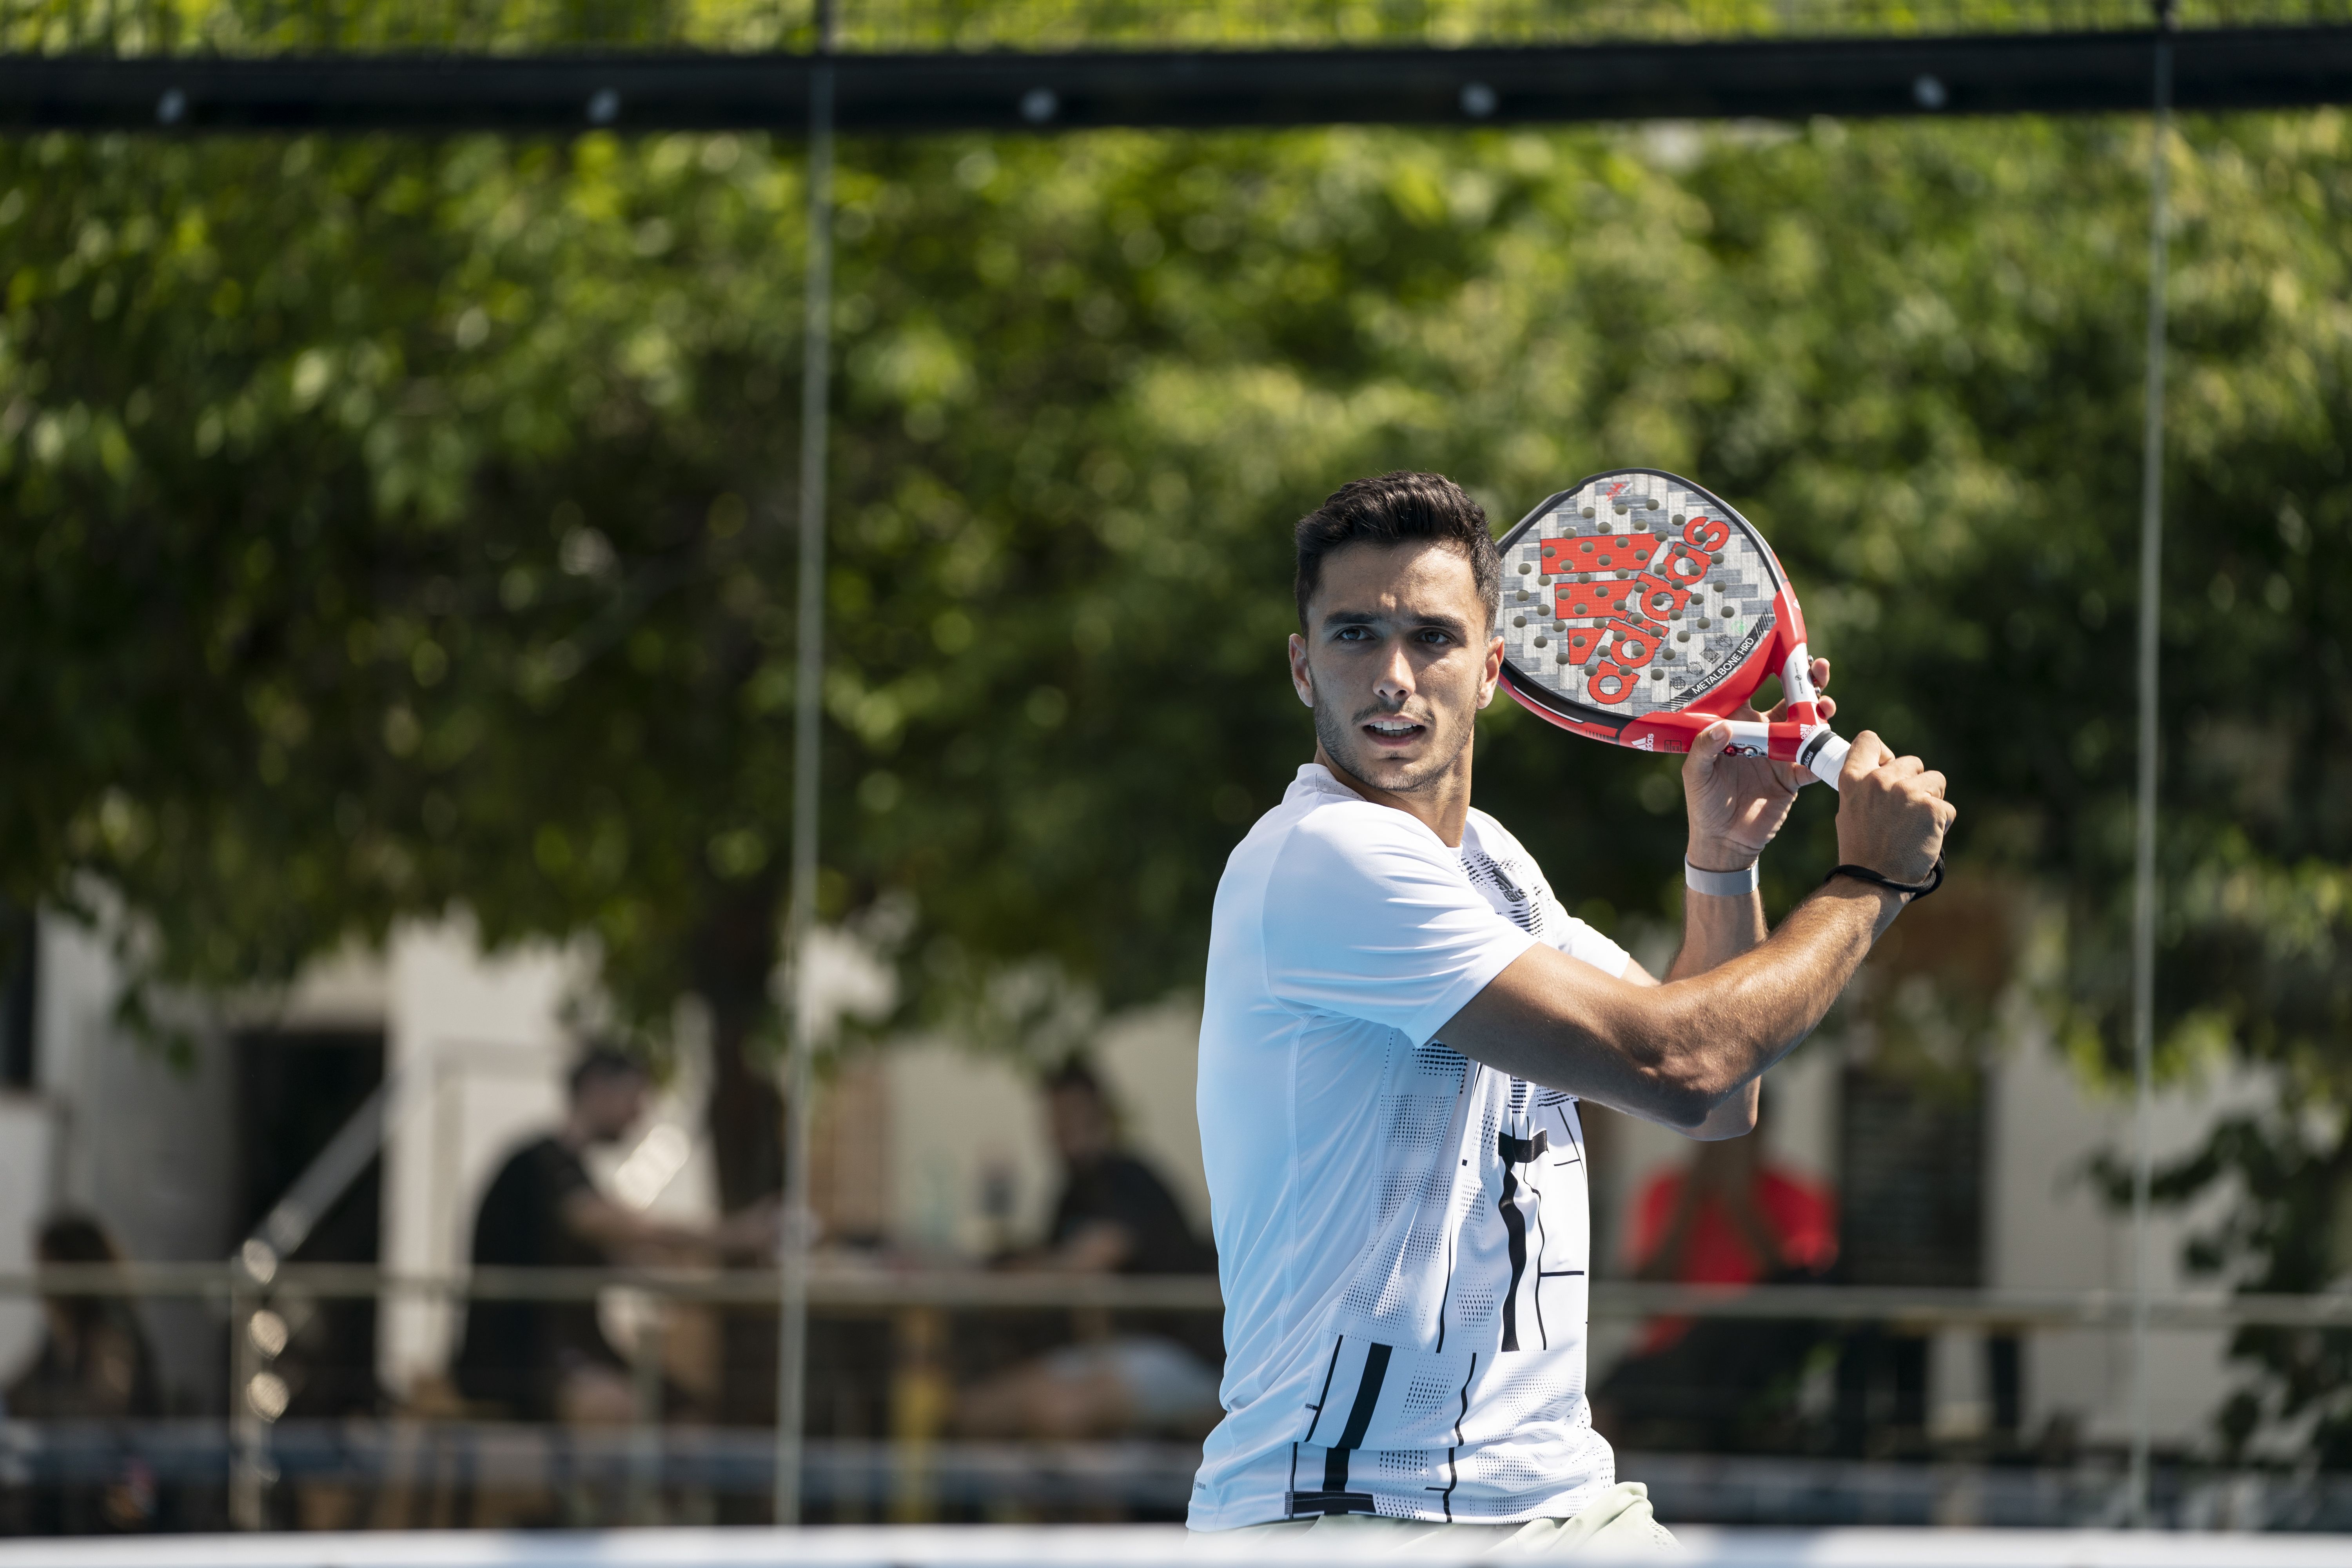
x,y
1727,1217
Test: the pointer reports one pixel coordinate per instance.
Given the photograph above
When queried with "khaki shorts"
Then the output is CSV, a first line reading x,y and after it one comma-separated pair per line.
x,y
1617,1523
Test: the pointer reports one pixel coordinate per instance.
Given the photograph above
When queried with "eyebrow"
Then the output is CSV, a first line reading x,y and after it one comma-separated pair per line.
x,y
1337,619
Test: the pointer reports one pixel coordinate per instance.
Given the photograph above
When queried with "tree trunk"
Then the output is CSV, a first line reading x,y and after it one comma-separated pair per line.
x,y
731,964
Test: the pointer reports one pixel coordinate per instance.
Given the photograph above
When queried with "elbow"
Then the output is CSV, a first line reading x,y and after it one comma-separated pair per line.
x,y
1684,1096
1697,1064
1687,1111
1689,1092
1734,1118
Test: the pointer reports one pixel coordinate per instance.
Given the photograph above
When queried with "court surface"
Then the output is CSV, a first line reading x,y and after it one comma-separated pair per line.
x,y
1142,1546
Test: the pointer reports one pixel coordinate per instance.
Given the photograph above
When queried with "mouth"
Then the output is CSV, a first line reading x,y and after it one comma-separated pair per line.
x,y
1393,729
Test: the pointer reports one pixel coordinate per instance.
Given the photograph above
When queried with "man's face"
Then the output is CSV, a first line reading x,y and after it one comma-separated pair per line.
x,y
1081,1123
1396,661
611,1103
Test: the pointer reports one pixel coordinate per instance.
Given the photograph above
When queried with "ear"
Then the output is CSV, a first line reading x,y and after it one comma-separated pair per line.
x,y
1491,677
1302,679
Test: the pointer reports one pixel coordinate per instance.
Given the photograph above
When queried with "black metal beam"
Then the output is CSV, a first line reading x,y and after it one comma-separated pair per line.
x,y
911,93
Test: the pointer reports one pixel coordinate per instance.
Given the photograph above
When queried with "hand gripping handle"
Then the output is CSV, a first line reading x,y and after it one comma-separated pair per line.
x,y
1817,749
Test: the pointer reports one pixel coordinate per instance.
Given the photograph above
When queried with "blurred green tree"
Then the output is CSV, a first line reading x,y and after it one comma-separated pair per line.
x,y
396,526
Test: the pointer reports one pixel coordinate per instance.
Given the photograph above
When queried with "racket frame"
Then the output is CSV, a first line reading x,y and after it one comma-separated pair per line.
x,y
1802,737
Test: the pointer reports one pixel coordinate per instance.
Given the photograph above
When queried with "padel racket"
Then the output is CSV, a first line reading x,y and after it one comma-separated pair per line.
x,y
1639,609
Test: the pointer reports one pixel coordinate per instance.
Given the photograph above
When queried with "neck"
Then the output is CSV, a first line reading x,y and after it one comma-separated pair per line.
x,y
1441,805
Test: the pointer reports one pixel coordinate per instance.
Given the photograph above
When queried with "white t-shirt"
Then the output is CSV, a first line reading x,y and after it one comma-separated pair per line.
x,y
1401,1232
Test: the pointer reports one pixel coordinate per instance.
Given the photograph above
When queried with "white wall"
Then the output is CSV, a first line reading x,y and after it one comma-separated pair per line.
x,y
25,1155
2049,1230
142,1141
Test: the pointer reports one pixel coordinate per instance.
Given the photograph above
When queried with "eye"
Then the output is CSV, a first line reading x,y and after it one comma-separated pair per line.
x,y
1352,633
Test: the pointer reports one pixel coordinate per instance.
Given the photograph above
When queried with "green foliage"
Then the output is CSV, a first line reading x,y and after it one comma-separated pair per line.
x,y
397,524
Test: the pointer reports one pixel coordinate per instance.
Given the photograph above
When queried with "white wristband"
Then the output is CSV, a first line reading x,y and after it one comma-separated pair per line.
x,y
1720,884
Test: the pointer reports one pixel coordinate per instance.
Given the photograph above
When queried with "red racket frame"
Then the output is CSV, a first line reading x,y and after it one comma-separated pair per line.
x,y
1801,737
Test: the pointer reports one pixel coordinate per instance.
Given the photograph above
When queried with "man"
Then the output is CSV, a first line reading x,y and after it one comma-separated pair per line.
x,y
1399,1019
540,1360
1115,1216
93,1368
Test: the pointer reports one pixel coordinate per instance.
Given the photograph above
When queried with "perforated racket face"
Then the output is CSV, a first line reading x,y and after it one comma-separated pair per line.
x,y
1636,597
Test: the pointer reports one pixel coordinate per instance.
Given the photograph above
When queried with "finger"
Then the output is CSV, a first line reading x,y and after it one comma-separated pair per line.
x,y
1707,750
1827,708
1820,675
1930,783
1901,770
1865,756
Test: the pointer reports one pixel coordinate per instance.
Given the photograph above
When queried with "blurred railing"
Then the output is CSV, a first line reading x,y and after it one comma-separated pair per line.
x,y
416,1461
977,1291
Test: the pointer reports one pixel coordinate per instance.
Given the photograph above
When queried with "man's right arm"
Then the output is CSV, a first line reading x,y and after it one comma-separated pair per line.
x,y
1673,1053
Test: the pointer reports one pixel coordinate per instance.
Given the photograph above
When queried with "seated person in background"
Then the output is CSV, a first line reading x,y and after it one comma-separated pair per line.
x,y
537,1360
1727,1216
94,1365
1114,1216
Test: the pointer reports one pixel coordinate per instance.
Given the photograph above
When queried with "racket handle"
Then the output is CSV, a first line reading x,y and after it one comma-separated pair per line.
x,y
1823,753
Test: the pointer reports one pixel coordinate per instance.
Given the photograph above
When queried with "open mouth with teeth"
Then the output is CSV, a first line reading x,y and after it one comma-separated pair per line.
x,y
1394,729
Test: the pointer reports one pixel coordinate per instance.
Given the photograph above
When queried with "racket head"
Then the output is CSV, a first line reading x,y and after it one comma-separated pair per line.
x,y
1639,607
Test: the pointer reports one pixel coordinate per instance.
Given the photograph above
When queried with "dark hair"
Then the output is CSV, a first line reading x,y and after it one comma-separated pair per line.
x,y
1074,1073
601,1061
1398,508
75,1238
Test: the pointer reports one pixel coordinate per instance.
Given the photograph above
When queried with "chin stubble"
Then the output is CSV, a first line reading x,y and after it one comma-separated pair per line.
x,y
1343,745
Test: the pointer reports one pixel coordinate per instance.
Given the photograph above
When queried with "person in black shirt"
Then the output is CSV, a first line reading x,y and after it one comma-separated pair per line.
x,y
1115,1215
94,1366
537,1360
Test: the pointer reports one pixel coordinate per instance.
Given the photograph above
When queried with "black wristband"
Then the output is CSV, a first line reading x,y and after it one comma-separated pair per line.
x,y
1917,890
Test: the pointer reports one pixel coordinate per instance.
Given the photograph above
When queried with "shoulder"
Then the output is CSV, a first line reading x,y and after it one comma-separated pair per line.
x,y
522,1164
1356,838
1125,1172
551,1164
1495,838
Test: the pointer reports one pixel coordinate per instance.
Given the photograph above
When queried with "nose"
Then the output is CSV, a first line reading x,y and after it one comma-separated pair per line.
x,y
1392,682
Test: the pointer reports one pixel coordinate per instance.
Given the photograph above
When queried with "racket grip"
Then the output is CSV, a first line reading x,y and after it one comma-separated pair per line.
x,y
1823,753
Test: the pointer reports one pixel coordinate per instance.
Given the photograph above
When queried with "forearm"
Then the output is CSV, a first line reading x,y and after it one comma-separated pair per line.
x,y
598,1220
1716,927
1716,930
1734,1019
1673,1053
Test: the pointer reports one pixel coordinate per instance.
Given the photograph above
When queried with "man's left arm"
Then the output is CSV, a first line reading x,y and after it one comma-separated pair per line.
x,y
1735,805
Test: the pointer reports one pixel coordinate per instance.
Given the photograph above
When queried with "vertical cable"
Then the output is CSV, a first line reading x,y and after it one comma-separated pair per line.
x,y
2143,941
808,696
